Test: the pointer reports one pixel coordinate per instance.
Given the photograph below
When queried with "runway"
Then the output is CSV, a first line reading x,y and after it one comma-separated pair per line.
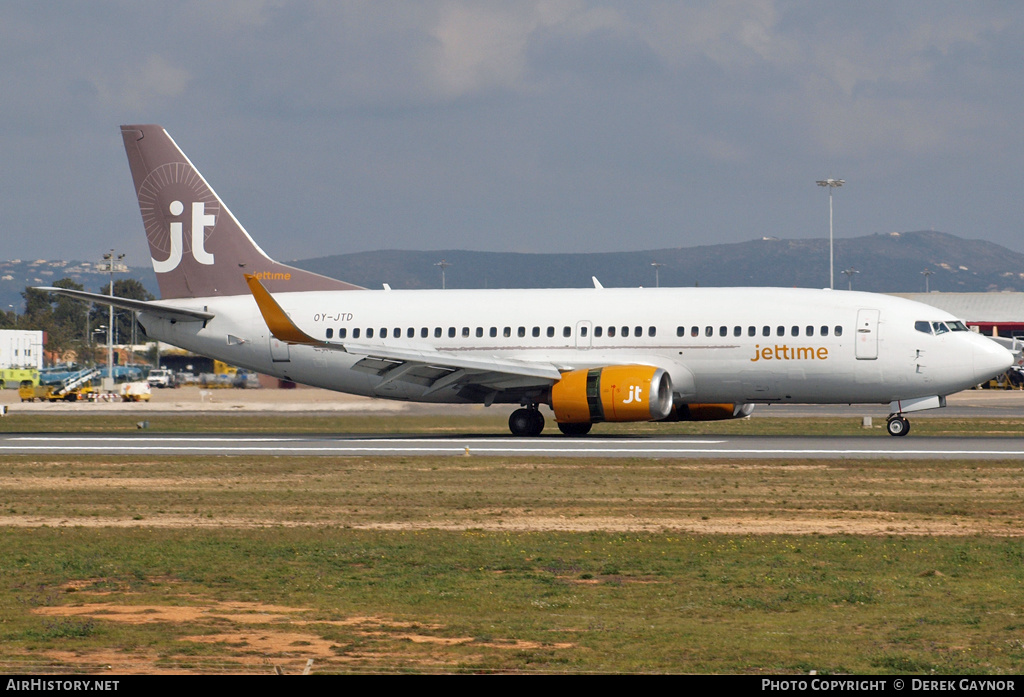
x,y
731,447
970,404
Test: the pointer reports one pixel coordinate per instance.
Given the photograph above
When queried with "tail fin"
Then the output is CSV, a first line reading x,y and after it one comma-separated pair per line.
x,y
197,246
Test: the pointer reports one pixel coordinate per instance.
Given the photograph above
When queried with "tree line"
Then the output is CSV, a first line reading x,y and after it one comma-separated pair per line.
x,y
71,325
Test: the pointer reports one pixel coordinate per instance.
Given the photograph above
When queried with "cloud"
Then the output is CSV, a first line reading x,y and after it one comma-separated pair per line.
x,y
145,88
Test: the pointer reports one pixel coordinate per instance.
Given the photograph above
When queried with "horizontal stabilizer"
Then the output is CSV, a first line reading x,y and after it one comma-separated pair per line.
x,y
153,308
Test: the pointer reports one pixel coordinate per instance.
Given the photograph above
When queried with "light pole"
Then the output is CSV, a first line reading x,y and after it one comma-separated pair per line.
x,y
111,258
926,273
849,277
831,184
444,265
657,267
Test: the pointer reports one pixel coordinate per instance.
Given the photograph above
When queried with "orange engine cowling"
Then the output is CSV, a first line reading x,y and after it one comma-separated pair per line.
x,y
612,393
709,412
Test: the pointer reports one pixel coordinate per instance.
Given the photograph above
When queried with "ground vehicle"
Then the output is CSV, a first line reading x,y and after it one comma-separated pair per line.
x,y
71,389
135,392
17,376
162,377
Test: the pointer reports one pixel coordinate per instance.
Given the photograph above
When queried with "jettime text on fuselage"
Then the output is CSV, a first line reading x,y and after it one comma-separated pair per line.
x,y
787,353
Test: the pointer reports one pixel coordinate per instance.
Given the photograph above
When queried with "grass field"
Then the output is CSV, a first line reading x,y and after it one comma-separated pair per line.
x,y
469,564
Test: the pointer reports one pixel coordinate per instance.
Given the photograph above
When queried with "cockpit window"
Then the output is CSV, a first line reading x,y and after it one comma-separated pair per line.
x,y
940,327
957,326
923,326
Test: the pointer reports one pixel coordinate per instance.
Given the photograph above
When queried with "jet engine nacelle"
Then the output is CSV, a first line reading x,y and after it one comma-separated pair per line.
x,y
709,412
613,393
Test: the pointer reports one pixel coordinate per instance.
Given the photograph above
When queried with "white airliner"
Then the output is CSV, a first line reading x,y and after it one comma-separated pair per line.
x,y
590,355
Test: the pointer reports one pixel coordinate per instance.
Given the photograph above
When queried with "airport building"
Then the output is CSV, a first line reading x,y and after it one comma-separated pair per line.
x,y
21,348
993,314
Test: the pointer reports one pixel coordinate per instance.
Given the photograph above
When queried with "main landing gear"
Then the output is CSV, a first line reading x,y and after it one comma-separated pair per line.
x,y
897,425
527,421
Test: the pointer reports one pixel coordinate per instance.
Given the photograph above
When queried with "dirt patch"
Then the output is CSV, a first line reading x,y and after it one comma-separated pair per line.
x,y
242,648
830,523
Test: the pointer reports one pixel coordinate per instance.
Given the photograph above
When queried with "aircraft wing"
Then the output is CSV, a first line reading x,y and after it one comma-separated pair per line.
x,y
434,369
149,307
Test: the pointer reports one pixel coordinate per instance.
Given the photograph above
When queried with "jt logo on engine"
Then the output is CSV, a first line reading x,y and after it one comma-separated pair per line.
x,y
634,394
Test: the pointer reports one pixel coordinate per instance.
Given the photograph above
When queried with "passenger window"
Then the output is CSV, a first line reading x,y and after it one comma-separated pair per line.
x,y
506,332
551,331
342,332
638,331
437,332
795,331
625,332
479,332
410,333
566,331
780,331
652,331
383,332
369,333
824,330
465,332
766,330
398,333
355,333
709,331
451,332
583,330
330,333
694,331
494,332
737,331
611,331
924,327
521,332
598,331
680,331
839,330
536,331
751,331
722,331
810,330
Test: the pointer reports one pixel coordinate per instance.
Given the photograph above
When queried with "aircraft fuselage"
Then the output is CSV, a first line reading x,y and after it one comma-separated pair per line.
x,y
742,345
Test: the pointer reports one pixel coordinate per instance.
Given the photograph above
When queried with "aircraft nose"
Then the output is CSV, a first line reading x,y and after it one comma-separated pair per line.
x,y
990,359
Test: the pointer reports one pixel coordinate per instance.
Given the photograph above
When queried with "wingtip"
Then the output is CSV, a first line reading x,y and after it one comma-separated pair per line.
x,y
278,321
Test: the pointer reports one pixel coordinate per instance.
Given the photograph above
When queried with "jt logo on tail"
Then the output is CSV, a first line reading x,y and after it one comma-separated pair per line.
x,y
200,221
173,196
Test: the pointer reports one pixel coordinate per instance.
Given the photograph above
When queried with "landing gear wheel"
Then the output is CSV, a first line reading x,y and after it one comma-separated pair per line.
x,y
575,429
526,422
897,426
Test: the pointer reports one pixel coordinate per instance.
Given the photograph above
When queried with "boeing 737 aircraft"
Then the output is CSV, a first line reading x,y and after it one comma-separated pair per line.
x,y
590,355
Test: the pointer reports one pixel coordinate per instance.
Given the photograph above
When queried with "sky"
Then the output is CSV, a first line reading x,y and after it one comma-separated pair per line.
x,y
547,126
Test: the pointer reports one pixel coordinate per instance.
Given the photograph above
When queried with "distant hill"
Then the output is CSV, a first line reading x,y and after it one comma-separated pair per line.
x,y
884,263
887,263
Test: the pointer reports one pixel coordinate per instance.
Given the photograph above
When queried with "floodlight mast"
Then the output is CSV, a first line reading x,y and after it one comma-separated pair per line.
x,y
831,184
113,262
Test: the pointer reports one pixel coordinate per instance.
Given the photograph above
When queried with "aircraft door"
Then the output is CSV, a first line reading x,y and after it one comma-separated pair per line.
x,y
867,335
